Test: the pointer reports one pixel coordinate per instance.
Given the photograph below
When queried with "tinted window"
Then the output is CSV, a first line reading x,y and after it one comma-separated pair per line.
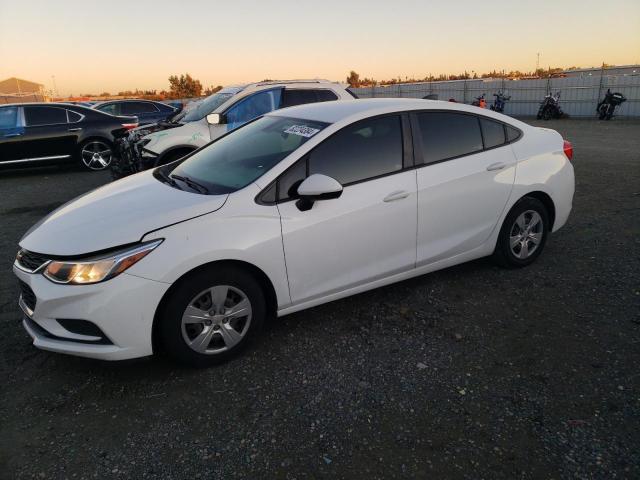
x,y
298,97
446,135
253,106
35,116
492,132
326,95
73,116
131,108
290,181
8,117
512,134
110,108
241,157
363,150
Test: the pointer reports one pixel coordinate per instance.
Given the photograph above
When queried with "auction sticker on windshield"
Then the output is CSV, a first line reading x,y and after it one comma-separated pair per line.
x,y
302,130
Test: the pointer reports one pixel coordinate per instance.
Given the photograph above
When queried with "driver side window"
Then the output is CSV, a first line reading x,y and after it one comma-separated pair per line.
x,y
252,107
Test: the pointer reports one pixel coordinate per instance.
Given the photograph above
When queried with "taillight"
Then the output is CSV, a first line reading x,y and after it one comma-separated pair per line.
x,y
129,126
568,149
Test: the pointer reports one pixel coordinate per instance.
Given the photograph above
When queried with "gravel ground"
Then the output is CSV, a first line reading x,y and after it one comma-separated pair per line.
x,y
471,372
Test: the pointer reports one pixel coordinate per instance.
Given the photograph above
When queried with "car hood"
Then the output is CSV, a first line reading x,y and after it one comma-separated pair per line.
x,y
116,214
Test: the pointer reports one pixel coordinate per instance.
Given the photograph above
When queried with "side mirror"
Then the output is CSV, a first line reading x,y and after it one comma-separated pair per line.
x,y
216,119
317,187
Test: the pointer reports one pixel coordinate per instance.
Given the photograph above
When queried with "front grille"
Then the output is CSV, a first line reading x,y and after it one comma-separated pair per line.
x,y
30,261
28,297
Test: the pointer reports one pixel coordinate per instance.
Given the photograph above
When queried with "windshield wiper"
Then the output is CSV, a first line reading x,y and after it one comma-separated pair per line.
x,y
166,178
192,183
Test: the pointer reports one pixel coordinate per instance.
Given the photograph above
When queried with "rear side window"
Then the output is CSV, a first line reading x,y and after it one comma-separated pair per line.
x,y
447,135
73,117
291,98
8,117
512,134
366,149
35,116
492,132
131,108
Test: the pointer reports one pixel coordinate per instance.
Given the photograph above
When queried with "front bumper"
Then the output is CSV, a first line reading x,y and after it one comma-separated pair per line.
x,y
123,308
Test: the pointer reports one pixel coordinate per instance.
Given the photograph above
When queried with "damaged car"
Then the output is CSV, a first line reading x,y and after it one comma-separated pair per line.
x,y
224,111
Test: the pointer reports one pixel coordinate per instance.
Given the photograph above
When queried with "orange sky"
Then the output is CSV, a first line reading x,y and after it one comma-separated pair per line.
x,y
92,47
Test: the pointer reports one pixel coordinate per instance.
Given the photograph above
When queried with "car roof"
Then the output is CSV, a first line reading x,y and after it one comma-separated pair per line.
x,y
122,100
332,112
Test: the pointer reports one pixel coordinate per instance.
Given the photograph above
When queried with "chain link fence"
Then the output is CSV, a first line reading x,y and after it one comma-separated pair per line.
x,y
579,96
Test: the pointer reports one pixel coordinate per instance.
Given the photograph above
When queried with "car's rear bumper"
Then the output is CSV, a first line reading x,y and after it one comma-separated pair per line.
x,y
122,309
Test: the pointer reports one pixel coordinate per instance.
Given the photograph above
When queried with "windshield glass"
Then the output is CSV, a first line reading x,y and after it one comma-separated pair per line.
x,y
207,106
245,154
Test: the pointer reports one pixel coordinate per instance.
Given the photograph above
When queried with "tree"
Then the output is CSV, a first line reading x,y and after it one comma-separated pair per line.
x,y
184,86
353,79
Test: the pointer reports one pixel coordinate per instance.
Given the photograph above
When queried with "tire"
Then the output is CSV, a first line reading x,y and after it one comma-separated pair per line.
x,y
547,113
521,213
215,337
95,154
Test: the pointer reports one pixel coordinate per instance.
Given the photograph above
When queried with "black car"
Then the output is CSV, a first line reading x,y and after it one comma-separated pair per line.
x,y
44,133
146,110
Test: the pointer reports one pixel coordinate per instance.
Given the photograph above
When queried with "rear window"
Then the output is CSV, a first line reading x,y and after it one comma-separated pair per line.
x,y
447,135
245,154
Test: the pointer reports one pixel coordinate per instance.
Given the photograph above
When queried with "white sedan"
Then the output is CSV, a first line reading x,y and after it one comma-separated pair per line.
x,y
300,207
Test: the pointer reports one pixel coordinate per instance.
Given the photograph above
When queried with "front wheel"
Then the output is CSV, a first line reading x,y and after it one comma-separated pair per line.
x,y
211,316
95,154
523,234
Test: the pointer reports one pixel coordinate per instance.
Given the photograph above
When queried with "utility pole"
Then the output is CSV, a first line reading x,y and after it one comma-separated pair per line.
x,y
55,88
538,62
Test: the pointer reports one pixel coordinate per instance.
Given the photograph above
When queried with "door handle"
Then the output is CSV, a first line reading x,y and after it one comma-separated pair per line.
x,y
12,135
397,195
495,166
75,129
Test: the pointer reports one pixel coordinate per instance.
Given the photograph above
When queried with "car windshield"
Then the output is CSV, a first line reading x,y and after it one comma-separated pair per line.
x,y
242,156
207,106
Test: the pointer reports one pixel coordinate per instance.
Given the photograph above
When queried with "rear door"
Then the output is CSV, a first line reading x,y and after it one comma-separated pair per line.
x,y
47,133
11,133
465,174
366,234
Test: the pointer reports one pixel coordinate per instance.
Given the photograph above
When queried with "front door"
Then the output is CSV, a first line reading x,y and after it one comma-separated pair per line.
x,y
11,134
369,232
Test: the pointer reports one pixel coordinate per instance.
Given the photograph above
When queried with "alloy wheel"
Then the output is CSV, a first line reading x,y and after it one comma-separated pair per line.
x,y
96,155
216,319
526,234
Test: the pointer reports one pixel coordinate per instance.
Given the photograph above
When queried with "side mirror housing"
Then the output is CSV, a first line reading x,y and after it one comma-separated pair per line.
x,y
216,119
317,187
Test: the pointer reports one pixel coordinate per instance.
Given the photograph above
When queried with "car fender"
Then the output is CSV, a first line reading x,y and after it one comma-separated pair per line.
x,y
251,235
193,134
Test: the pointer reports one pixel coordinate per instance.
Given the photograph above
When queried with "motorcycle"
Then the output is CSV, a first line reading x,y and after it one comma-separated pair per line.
x,y
499,102
550,107
607,106
480,102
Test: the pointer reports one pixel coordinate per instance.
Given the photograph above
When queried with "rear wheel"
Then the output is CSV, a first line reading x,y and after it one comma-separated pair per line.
x,y
523,234
95,154
212,316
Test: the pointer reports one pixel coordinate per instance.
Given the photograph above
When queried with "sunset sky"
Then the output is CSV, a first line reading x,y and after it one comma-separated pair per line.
x,y
96,46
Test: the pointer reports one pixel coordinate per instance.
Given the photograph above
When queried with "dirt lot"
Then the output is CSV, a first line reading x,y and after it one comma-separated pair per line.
x,y
472,372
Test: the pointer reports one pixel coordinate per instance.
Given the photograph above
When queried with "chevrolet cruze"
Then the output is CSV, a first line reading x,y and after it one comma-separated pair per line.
x,y
299,207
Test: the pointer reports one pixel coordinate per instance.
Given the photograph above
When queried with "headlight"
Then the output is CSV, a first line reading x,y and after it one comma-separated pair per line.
x,y
97,269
